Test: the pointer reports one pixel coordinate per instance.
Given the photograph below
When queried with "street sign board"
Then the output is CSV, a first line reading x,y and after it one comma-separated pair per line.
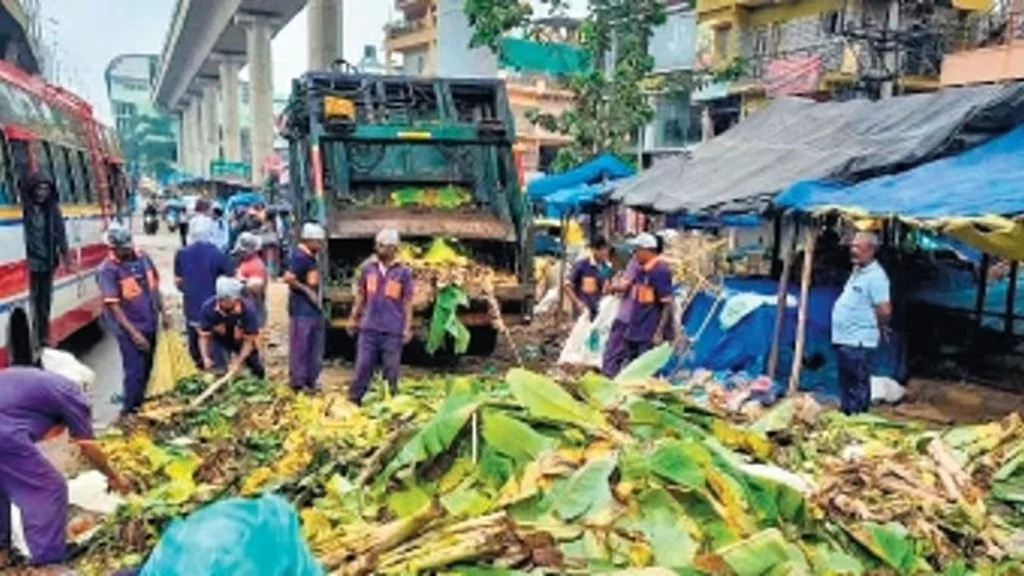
x,y
222,169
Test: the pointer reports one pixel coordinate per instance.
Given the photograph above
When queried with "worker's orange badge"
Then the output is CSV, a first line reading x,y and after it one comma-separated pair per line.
x,y
393,289
644,294
371,284
130,288
589,285
313,278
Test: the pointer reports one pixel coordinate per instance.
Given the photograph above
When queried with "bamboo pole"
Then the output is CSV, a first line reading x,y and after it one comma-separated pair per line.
x,y
801,326
561,271
780,313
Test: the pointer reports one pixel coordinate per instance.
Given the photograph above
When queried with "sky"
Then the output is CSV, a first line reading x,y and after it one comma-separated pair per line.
x,y
90,33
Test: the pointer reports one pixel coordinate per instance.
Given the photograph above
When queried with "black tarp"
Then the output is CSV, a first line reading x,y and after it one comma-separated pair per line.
x,y
797,139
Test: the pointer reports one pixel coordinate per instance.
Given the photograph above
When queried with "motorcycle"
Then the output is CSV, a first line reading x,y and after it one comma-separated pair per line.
x,y
172,220
150,223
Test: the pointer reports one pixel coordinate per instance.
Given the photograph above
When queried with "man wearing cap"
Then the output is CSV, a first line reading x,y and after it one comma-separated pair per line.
x,y
589,276
306,333
130,287
646,311
252,272
383,312
230,325
36,405
196,269
46,246
860,317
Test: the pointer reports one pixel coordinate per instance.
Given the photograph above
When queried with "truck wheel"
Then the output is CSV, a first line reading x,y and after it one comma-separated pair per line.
x,y
482,341
340,343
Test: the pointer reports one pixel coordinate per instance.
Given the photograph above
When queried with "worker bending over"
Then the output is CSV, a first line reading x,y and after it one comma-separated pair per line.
x,y
306,333
229,325
35,405
589,275
383,313
130,287
645,315
196,269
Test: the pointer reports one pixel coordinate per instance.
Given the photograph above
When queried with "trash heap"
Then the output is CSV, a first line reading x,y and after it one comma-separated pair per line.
x,y
469,475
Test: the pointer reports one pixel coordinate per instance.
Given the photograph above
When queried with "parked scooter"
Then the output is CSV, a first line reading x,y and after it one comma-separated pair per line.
x,y
150,223
173,219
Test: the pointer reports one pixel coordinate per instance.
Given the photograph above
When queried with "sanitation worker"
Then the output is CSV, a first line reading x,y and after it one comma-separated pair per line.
x,y
130,287
46,246
383,312
35,405
589,275
306,333
645,315
252,272
196,269
229,326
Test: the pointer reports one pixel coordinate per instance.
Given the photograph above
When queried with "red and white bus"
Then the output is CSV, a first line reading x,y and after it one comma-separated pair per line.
x,y
47,129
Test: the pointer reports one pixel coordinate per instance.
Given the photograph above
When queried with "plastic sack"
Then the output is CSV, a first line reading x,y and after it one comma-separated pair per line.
x,y
586,342
886,390
66,365
171,363
238,536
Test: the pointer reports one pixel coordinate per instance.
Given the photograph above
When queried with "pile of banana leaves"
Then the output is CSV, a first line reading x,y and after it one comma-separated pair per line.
x,y
472,475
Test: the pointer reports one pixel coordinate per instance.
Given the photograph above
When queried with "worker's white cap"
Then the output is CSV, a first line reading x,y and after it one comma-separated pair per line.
x,y
646,241
248,243
313,231
388,237
228,287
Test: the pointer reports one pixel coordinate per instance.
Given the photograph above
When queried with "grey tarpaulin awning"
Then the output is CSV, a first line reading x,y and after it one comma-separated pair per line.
x,y
797,139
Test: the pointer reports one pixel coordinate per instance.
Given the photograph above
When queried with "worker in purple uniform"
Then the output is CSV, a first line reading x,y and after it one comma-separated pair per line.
x,y
229,324
383,313
130,287
306,332
589,275
35,405
645,315
196,269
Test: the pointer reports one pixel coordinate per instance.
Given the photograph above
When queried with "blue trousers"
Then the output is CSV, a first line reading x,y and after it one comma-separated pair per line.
x,y
29,480
854,378
137,366
221,351
619,352
376,349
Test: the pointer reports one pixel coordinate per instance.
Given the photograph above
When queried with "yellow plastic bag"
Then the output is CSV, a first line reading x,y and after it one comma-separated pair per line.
x,y
171,363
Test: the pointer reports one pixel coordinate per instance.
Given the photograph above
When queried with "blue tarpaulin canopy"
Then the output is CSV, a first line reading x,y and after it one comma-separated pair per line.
x,y
600,168
245,199
572,199
985,180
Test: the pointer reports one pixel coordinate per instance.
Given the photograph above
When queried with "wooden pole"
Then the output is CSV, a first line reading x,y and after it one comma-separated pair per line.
x,y
780,313
811,239
561,271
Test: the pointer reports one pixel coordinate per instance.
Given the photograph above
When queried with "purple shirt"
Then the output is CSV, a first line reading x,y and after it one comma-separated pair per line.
x,y
587,279
302,266
36,401
650,293
626,307
196,269
385,294
133,284
229,325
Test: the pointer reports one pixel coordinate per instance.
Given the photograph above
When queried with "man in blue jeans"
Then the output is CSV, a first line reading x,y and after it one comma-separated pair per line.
x,y
860,318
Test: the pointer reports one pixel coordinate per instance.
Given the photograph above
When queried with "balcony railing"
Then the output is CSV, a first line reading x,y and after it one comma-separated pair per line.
x,y
990,51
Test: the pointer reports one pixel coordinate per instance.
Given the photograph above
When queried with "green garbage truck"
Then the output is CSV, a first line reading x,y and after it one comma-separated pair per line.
x,y
429,157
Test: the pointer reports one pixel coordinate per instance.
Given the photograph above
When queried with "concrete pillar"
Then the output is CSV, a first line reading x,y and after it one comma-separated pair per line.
x,y
230,100
211,125
325,23
180,116
261,84
197,153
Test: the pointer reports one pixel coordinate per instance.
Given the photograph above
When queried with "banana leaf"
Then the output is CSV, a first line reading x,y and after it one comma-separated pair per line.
x,y
646,366
681,462
445,320
671,544
599,391
405,503
437,435
545,399
513,438
832,563
890,544
756,555
586,491
465,501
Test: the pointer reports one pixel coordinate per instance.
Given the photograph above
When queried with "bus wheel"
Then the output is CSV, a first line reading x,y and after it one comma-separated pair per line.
x,y
20,339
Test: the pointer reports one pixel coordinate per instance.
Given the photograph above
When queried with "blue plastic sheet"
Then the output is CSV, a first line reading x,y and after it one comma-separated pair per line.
x,y
981,181
746,346
603,167
238,537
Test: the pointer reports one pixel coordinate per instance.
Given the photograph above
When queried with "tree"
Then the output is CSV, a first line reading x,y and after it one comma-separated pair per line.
x,y
609,104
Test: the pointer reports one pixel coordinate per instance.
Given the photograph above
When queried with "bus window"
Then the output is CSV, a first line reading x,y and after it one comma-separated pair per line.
x,y
8,187
78,175
90,184
72,175
60,174
41,152
20,163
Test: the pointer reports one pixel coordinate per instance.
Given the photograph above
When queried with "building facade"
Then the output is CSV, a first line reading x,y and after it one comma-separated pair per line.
x,y
148,137
990,48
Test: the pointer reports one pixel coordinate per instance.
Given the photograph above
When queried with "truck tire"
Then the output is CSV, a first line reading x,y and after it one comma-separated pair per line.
x,y
483,341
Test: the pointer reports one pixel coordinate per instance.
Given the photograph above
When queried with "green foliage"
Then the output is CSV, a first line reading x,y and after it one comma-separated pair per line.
x,y
545,399
445,320
609,104
437,435
587,490
513,438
